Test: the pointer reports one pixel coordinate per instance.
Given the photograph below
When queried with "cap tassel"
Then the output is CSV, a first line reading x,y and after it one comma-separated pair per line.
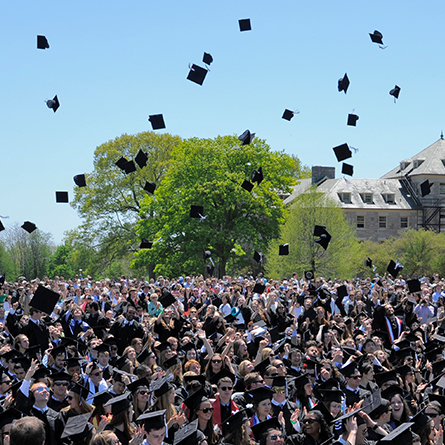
x,y
383,47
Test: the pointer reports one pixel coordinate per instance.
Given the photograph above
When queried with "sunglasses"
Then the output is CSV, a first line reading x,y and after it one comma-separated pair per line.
x,y
274,374
310,421
279,390
69,397
355,377
226,388
207,410
432,415
280,365
60,383
144,392
276,436
97,374
216,361
6,383
42,388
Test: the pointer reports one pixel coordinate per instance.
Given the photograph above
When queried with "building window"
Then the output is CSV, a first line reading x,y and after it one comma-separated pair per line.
x,y
367,198
345,198
382,222
403,222
403,165
360,222
442,188
389,198
417,163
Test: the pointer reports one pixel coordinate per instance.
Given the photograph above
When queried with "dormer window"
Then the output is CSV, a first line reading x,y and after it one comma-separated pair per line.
x,y
389,198
367,198
417,163
345,198
404,165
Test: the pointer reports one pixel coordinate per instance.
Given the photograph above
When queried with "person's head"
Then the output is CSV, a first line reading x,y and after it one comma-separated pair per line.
x,y
354,379
225,388
41,393
60,387
315,426
94,373
362,431
216,363
434,410
280,367
35,314
21,342
296,357
27,431
272,437
253,381
191,354
130,314
399,408
193,366
155,436
5,383
104,358
204,411
334,408
262,408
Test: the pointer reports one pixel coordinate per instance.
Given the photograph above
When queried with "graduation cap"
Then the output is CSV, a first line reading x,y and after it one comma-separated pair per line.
x,y
101,397
77,427
347,169
438,399
283,249
263,427
348,370
141,383
246,138
264,364
221,374
395,92
325,236
162,385
419,421
153,420
258,256
197,74
54,103
150,187
157,121
173,361
73,361
425,188
244,25
167,299
189,434
394,269
320,406
352,119
414,285
343,84
347,416
400,435
2,227
141,159
196,211
129,167
309,274
207,58
60,376
10,355
258,288
201,378
342,152
22,361
80,390
62,197
119,404
368,262
257,176
59,350
80,181
8,416
331,395
42,42
163,346
29,226
288,114
195,399
145,244
247,185
376,37
121,162
234,422
44,299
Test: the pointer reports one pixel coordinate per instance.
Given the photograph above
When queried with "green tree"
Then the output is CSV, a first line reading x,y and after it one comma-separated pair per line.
x,y
209,172
60,263
110,204
343,255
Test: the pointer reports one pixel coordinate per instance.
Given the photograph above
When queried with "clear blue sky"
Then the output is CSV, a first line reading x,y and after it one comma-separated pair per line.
x,y
113,63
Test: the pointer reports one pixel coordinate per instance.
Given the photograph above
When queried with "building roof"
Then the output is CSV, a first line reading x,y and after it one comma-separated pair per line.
x,y
430,161
380,188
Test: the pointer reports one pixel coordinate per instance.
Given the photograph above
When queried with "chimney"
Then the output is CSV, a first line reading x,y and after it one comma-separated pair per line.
x,y
320,173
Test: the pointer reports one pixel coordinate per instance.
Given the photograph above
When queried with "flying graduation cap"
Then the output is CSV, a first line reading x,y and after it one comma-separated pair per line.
x,y
258,257
394,268
257,175
352,120
207,58
42,42
2,227
80,181
425,188
247,185
342,152
62,197
157,121
29,226
395,92
343,84
145,244
197,74
150,187
289,114
347,169
196,211
44,299
283,249
245,25
129,167
246,138
324,236
121,162
376,37
141,159
53,103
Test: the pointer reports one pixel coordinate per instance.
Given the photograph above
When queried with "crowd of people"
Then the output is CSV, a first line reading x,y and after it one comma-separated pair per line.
x,y
207,361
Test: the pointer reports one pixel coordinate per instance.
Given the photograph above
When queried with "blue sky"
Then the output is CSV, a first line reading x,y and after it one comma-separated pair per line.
x,y
114,63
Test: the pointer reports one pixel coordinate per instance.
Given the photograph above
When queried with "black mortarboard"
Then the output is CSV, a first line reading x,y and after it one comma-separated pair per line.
x,y
195,399
288,114
425,188
342,152
2,227
62,197
258,288
207,58
167,299
41,373
343,84
391,391
352,119
80,390
438,367
394,269
376,37
103,347
163,346
419,421
145,244
257,176
247,185
283,249
141,383
73,361
261,393
173,361
53,103
347,169
157,121
331,395
400,435
414,285
150,187
101,397
29,226
58,351
197,74
24,362
263,427
368,262
347,416
189,434
325,238
279,381
348,370
10,355
129,167
42,42
246,138
439,399
221,374
44,299
141,159
8,416
258,256
196,211
264,364
121,162
60,376
342,291
119,404
309,274
244,25
80,181
201,378
153,420
234,422
77,427
395,91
